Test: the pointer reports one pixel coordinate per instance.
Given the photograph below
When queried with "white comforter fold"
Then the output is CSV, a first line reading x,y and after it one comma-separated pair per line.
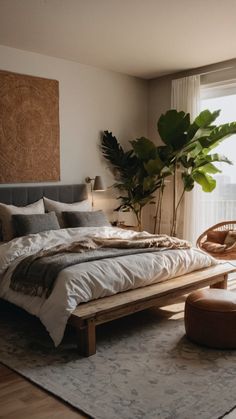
x,y
90,280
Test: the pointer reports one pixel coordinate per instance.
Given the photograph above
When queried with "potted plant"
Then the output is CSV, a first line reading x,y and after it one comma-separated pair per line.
x,y
141,171
138,172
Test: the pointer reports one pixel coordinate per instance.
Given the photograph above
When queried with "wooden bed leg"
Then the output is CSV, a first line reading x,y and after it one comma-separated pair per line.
x,y
222,284
87,338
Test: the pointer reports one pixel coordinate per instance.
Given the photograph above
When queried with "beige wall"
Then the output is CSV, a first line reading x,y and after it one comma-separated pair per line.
x,y
159,95
91,100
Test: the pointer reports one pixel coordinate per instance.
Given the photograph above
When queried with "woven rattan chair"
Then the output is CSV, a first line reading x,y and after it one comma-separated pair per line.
x,y
229,252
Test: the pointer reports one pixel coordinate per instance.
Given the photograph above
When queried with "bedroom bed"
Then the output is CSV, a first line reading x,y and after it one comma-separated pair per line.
x,y
97,291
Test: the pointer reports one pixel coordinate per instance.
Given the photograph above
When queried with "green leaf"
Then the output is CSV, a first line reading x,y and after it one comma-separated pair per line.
x,y
148,183
190,147
206,181
144,148
124,164
111,149
165,152
188,182
210,147
210,158
154,167
185,162
218,134
209,168
205,118
173,127
202,121
194,150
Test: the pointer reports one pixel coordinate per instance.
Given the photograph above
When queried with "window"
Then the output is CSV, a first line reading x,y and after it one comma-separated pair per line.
x,y
220,205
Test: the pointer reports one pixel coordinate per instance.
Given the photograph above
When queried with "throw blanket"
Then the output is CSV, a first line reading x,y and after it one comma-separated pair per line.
x,y
36,274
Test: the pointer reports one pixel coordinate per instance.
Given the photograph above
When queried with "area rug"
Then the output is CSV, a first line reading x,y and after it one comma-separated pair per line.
x,y
145,368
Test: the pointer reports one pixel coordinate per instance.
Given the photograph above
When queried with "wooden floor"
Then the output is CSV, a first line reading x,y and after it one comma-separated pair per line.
x,y
20,399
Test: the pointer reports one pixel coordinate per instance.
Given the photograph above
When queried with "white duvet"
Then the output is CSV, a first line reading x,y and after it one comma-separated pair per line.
x,y
90,280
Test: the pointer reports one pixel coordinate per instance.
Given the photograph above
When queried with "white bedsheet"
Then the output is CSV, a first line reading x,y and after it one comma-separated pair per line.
x,y
90,280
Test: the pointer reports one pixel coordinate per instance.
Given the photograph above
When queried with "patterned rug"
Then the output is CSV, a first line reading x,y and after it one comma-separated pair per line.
x,y
145,368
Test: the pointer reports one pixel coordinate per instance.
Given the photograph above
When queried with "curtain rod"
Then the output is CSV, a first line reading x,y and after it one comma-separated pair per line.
x,y
214,71
199,72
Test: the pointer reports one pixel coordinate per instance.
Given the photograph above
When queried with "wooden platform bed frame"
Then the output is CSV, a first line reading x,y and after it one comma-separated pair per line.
x,y
88,315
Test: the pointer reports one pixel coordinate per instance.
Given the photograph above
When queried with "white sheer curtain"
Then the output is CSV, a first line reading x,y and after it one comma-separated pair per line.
x,y
220,205
185,96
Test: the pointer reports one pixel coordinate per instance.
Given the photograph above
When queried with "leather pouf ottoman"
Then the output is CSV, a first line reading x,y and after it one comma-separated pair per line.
x,y
210,318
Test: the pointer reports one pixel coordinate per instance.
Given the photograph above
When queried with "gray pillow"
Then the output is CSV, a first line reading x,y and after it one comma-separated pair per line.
x,y
6,212
59,207
34,223
85,219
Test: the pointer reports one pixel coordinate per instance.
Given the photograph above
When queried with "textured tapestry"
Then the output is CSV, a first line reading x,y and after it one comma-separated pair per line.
x,y
29,129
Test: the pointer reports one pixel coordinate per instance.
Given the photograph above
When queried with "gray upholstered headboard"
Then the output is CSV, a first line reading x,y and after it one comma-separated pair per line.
x,y
24,195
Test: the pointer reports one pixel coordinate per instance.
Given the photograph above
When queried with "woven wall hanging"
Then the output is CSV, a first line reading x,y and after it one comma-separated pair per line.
x,y
29,129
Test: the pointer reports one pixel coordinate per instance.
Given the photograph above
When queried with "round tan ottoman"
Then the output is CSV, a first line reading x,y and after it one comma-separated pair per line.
x,y
210,318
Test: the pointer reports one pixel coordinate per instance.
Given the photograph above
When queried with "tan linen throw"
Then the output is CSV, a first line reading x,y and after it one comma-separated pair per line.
x,y
143,241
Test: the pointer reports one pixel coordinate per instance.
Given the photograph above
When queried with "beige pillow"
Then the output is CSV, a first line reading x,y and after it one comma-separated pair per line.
x,y
230,239
214,247
60,207
6,212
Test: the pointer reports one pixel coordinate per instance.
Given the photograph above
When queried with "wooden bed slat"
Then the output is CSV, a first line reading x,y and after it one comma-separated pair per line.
x,y
91,308
87,315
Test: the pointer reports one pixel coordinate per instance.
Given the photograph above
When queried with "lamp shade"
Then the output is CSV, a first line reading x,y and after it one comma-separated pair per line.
x,y
98,184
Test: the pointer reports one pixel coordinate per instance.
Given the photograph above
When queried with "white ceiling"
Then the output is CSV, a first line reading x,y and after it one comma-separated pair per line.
x,y
144,38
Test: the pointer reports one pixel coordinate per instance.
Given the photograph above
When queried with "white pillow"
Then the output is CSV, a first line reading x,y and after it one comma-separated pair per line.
x,y
60,207
6,212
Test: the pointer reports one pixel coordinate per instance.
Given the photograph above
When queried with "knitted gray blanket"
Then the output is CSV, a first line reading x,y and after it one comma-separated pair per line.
x,y
36,274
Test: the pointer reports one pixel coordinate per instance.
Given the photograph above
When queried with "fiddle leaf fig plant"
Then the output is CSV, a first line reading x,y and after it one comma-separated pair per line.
x,y
190,146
